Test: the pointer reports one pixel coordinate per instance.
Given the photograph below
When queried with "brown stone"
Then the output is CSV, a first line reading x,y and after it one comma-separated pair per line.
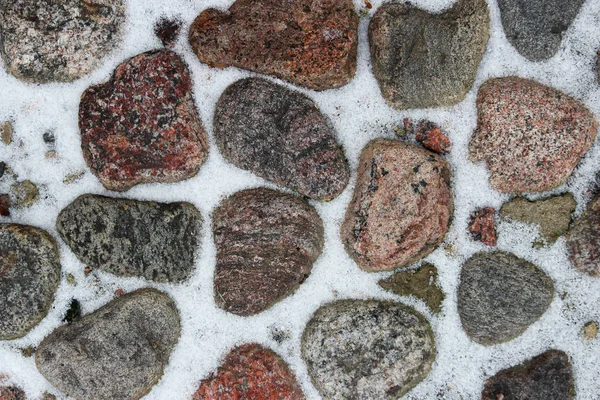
x,y
6,132
4,205
583,240
482,226
12,393
402,206
590,330
312,44
167,30
530,135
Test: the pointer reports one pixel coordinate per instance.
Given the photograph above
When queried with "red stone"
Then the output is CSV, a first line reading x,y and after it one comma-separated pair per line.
x,y
249,372
167,30
432,138
142,126
482,226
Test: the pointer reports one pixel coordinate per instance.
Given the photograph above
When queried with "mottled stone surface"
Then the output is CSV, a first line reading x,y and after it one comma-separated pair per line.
x,y
367,349
432,138
500,296
590,330
421,283
29,276
530,135
167,30
143,126
156,241
24,193
12,393
311,44
251,371
482,226
424,60
267,242
583,240
45,41
117,352
4,205
552,215
546,376
280,134
6,132
536,27
402,206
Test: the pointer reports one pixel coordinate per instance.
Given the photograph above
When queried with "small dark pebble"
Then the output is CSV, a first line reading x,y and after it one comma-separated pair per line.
x,y
49,137
2,169
167,30
74,312
4,205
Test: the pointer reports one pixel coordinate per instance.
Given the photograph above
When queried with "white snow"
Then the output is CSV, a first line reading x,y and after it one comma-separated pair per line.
x,y
359,114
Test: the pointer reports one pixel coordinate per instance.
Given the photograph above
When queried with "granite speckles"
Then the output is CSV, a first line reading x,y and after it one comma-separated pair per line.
x,y
583,240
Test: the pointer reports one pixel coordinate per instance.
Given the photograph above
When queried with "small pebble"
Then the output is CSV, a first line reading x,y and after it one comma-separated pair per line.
x,y
25,193
49,137
167,30
6,132
590,330
4,205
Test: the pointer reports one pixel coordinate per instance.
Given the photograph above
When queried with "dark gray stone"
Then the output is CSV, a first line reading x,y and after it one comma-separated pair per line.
x,y
426,60
29,277
367,349
280,135
117,352
535,27
500,296
156,241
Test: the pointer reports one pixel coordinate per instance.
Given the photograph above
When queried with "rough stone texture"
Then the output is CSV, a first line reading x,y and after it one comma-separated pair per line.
x,y
117,352
551,215
482,225
402,206
421,283
367,349
432,138
4,205
6,132
45,41
156,241
29,276
590,330
312,44
280,135
266,243
167,30
546,376
24,193
251,371
535,27
142,126
12,393
583,240
530,135
500,295
426,60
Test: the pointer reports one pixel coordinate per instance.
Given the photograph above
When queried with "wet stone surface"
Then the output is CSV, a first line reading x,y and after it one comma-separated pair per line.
x,y
421,283
142,126
280,135
367,349
482,226
583,240
311,44
267,242
135,333
155,241
29,276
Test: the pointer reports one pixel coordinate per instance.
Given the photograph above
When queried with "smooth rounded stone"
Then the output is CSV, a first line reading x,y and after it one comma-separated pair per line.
x,y
251,371
536,27
155,241
266,242
312,44
46,41
402,206
500,296
280,135
530,135
142,125
12,393
117,352
29,277
583,240
367,349
552,215
546,376
424,60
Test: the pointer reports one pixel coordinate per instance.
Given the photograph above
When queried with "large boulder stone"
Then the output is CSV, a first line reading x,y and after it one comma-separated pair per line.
x,y
402,206
367,349
142,126
311,44
45,41
117,352
267,242
583,240
156,241
29,277
530,135
500,296
424,60
280,134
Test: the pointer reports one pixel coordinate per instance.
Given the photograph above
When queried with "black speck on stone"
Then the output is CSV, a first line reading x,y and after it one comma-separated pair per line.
x,y
167,30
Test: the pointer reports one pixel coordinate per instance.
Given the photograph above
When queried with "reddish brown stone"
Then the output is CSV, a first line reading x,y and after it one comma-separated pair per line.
x,y
4,205
12,393
167,30
312,44
401,208
251,371
583,240
142,126
482,225
530,135
429,135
